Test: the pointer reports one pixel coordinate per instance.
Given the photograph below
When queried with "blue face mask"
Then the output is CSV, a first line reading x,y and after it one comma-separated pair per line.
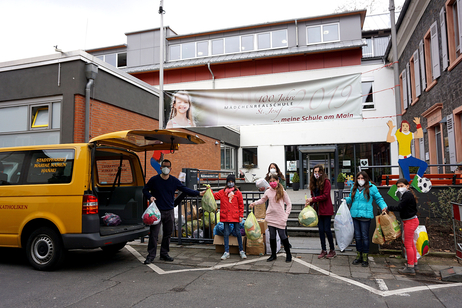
x,y
230,184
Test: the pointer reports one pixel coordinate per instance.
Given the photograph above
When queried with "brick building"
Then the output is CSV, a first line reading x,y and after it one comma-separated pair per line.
x,y
429,55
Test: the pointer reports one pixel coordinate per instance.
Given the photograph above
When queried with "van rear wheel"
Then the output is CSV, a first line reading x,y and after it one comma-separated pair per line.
x,y
44,249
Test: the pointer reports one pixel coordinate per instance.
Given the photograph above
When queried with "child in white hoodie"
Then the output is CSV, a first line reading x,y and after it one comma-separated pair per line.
x,y
276,215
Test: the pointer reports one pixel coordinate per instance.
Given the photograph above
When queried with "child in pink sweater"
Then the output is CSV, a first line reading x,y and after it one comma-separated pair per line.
x,y
276,215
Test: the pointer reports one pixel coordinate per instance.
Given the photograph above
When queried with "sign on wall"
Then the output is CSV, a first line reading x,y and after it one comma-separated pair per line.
x,y
328,99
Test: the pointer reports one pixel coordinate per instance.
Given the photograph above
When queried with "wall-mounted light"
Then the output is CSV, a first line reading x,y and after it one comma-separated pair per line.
x,y
216,142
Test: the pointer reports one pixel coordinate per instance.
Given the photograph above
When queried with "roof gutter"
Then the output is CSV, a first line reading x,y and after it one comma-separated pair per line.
x,y
213,76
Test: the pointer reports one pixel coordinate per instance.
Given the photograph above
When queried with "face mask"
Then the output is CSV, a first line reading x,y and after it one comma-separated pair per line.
x,y
273,184
165,170
273,171
316,176
361,182
230,184
402,190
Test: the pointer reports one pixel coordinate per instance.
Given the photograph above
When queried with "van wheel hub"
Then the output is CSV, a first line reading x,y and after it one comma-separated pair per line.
x,y
42,249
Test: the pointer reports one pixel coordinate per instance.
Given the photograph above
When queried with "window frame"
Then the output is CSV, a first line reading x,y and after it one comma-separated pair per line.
x,y
321,26
232,158
370,94
250,165
453,28
34,111
429,59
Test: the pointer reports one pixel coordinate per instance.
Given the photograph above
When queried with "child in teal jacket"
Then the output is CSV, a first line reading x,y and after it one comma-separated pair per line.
x,y
361,196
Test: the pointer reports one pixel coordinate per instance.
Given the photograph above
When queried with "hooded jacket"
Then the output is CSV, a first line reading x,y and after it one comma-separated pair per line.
x,y
361,207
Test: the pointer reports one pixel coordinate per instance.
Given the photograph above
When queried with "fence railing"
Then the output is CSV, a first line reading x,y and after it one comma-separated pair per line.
x,y
192,225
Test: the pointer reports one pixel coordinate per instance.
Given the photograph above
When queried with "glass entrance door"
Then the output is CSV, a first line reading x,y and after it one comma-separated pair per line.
x,y
324,159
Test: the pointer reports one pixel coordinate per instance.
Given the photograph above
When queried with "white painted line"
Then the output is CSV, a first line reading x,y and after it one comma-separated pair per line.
x,y
382,292
382,285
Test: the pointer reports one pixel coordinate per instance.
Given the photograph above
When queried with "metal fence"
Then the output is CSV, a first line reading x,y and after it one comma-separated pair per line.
x,y
192,225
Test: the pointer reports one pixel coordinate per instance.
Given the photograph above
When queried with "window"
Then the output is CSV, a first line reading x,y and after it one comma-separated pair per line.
x,y
107,168
115,59
368,98
279,39
322,33
227,157
188,50
264,41
454,31
232,44
40,117
50,166
403,89
414,72
202,49
432,57
217,47
175,52
12,164
247,43
249,157
376,47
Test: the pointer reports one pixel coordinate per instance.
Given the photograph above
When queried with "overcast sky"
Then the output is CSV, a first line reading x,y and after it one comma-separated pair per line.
x,y
30,28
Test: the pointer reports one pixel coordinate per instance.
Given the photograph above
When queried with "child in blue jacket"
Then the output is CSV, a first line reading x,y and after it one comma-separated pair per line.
x,y
361,196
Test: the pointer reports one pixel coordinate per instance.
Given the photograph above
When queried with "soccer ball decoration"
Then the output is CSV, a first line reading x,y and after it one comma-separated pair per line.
x,y
424,185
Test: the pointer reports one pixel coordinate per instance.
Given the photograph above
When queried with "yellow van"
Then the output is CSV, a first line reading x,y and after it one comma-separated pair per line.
x,y
53,197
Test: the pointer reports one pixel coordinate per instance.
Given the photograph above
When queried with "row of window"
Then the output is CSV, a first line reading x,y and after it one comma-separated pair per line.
x,y
424,67
115,59
250,42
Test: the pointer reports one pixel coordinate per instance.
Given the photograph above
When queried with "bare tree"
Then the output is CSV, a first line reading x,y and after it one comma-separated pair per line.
x,y
372,6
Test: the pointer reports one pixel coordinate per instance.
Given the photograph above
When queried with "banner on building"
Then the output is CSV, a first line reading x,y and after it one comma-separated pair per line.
x,y
328,99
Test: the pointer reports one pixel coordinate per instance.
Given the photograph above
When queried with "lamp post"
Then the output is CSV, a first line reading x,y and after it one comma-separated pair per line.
x,y
161,67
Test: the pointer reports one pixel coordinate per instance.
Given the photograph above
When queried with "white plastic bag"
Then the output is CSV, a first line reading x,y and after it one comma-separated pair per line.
x,y
262,183
343,226
151,216
267,239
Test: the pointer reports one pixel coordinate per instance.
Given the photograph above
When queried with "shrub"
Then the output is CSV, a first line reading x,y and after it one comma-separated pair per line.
x,y
443,208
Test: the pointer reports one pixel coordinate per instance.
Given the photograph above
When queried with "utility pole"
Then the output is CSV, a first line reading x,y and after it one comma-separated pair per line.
x,y
161,67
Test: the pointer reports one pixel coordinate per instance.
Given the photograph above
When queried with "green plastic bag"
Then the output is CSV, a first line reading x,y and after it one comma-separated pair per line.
x,y
208,201
252,228
308,217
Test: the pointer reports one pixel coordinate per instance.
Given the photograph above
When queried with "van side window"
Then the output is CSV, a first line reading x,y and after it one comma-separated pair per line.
x,y
50,166
107,168
10,167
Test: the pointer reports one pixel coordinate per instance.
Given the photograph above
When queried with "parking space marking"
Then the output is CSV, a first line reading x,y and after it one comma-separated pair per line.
x,y
382,292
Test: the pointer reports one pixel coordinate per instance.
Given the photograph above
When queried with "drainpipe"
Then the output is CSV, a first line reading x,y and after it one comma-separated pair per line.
x,y
213,76
296,33
91,70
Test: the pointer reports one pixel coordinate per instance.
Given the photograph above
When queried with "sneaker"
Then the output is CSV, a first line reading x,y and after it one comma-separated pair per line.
x,y
322,254
416,268
225,256
331,254
407,271
242,254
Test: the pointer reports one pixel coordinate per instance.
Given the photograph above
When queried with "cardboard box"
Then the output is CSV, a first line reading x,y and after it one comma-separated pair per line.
x,y
255,247
260,211
263,225
219,242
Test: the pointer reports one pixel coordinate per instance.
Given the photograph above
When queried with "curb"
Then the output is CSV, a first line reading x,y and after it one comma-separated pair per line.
x,y
430,253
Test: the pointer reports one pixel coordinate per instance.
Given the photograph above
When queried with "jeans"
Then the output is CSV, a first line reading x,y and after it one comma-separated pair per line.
x,y
405,163
409,229
167,218
237,229
362,235
324,222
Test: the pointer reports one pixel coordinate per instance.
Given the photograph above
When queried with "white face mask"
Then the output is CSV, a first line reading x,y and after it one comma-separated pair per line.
x,y
361,182
273,171
402,190
165,170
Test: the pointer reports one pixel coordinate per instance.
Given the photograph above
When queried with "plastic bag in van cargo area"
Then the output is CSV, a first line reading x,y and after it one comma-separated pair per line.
x,y
151,216
111,219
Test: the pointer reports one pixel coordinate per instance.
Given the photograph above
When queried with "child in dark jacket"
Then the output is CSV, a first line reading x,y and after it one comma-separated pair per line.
x,y
407,208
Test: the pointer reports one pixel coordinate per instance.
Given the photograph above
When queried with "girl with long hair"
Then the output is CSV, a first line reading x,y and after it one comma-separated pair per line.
x,y
276,215
361,196
181,111
320,199
407,208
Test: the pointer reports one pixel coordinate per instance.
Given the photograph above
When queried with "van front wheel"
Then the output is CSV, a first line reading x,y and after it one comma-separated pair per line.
x,y
44,249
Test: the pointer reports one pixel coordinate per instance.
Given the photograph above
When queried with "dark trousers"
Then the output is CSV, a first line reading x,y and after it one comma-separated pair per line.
x,y
362,234
324,222
167,219
273,230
